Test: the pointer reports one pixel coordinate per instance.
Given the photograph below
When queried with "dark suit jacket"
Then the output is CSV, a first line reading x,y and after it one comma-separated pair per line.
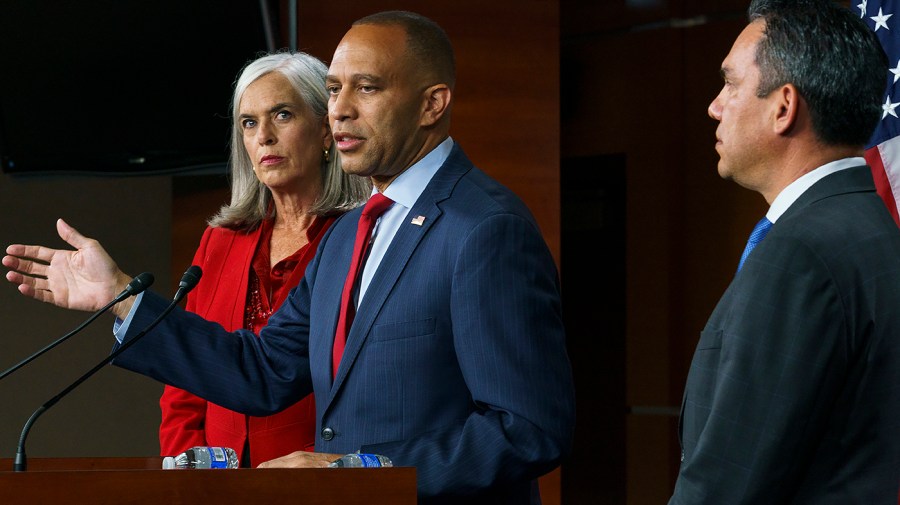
x,y
793,395
455,364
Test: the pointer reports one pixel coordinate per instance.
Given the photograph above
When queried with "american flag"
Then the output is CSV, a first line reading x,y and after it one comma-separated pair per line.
x,y
883,151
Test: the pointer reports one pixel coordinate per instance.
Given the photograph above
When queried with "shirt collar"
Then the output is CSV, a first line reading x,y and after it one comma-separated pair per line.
x,y
410,184
792,192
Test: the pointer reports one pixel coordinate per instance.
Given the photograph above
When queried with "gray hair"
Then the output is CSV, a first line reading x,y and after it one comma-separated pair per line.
x,y
251,199
831,56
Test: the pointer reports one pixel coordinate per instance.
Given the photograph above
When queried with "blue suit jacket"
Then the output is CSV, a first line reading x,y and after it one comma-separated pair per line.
x,y
455,363
793,395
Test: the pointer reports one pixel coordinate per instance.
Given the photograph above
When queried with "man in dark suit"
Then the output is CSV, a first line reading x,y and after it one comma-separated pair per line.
x,y
793,395
455,362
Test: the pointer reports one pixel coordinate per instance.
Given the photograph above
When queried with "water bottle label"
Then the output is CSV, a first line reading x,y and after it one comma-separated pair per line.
x,y
369,460
217,458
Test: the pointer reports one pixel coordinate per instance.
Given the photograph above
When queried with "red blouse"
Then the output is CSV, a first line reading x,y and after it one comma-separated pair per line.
x,y
269,287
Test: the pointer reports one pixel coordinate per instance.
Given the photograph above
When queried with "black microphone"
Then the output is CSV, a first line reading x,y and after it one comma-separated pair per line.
x,y
136,286
188,281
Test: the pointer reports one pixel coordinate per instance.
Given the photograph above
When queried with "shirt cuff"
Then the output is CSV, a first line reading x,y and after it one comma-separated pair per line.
x,y
120,327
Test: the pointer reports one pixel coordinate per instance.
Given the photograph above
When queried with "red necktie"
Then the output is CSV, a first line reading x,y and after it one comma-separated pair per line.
x,y
375,207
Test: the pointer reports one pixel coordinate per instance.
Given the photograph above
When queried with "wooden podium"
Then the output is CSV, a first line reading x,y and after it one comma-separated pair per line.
x,y
137,481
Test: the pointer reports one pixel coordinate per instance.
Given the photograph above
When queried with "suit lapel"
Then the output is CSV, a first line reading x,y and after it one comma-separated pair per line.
x,y
418,222
396,257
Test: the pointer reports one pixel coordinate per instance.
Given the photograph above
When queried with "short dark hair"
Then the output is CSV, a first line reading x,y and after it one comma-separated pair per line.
x,y
831,56
426,40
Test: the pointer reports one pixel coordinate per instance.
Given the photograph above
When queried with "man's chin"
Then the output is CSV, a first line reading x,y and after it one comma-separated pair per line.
x,y
723,172
359,169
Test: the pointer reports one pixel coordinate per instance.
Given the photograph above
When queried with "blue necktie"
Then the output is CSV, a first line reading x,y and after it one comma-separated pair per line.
x,y
756,236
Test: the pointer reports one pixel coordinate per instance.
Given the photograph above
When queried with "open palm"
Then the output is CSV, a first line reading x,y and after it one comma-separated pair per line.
x,y
85,278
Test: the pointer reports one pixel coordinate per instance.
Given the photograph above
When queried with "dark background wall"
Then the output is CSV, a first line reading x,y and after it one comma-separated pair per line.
x,y
593,112
114,412
637,77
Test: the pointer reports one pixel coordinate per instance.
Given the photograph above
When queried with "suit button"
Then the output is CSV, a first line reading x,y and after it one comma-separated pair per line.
x,y
327,433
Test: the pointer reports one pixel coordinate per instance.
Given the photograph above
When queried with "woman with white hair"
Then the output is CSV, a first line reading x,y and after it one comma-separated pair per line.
x,y
287,188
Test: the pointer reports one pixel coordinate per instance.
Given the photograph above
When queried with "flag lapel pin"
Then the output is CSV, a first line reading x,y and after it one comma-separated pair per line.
x,y
418,220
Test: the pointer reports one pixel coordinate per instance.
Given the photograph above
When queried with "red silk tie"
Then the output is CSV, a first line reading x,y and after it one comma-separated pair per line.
x,y
375,207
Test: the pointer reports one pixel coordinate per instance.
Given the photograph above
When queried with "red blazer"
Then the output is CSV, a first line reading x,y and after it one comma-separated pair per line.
x,y
226,258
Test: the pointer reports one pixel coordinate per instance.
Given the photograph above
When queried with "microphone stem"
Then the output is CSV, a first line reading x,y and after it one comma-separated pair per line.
x,y
20,464
65,337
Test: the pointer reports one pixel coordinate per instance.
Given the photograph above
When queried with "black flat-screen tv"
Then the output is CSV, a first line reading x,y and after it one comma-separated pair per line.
x,y
122,87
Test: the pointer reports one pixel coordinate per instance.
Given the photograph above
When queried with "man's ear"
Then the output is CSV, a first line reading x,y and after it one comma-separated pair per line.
x,y
788,103
437,103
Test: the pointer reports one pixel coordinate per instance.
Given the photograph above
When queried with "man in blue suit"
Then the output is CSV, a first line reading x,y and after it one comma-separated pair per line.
x,y
455,362
793,395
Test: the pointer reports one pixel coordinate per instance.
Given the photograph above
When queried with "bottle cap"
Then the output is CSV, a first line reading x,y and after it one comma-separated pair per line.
x,y
168,463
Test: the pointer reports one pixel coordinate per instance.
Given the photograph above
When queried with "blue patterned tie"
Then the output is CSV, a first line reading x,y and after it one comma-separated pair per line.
x,y
759,233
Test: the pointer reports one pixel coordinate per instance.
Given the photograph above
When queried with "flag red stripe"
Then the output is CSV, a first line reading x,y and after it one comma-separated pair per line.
x,y
882,183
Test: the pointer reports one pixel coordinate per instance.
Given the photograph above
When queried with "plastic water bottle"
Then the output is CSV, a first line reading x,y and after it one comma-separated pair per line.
x,y
203,457
361,460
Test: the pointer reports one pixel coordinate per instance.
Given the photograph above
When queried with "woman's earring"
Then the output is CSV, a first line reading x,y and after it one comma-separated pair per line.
x,y
327,156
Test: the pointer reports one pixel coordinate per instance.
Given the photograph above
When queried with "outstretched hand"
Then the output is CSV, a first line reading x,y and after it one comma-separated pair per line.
x,y
84,279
